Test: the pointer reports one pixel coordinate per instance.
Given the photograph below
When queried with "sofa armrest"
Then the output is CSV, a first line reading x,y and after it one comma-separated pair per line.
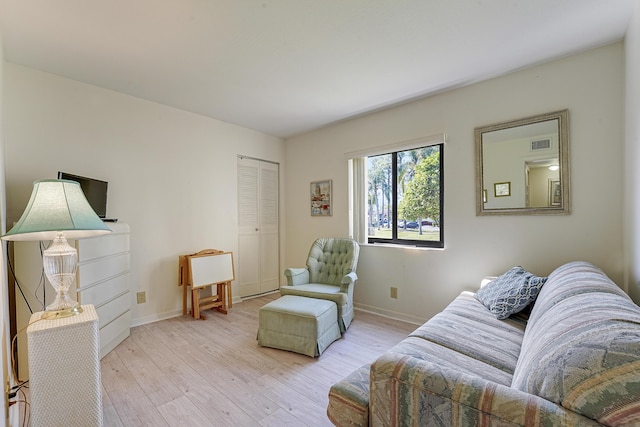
x,y
349,400
409,391
296,276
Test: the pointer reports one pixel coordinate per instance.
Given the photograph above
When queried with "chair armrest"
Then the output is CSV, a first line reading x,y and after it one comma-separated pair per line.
x,y
416,384
296,276
348,280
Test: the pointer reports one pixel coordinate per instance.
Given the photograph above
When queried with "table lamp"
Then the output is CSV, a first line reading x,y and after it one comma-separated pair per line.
x,y
58,210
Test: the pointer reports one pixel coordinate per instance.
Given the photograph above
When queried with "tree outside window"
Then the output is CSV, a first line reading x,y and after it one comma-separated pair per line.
x,y
405,197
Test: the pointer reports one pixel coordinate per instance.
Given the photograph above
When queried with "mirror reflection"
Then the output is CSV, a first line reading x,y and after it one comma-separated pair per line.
x,y
523,167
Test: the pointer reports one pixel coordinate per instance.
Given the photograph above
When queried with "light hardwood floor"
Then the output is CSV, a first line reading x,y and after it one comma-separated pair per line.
x,y
212,372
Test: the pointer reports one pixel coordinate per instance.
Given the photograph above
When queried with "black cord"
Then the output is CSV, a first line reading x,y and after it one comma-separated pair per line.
x,y
13,391
18,283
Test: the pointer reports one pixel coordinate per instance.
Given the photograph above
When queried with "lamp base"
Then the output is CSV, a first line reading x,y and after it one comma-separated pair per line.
x,y
63,301
59,314
60,261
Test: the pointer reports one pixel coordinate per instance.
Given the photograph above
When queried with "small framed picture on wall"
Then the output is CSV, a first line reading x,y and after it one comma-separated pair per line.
x,y
555,192
502,189
321,203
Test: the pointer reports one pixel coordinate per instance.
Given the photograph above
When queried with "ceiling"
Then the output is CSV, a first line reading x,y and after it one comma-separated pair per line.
x,y
285,67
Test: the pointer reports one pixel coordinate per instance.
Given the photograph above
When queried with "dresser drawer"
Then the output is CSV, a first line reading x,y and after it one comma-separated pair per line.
x,y
102,292
99,270
105,245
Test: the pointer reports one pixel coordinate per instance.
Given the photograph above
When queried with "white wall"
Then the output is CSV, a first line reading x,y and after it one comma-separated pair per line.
x,y
590,85
632,156
171,173
5,344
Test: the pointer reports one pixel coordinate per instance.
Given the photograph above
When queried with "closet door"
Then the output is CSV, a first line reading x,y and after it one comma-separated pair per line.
x,y
258,230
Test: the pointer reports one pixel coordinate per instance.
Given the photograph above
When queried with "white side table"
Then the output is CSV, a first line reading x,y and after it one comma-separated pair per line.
x,y
64,367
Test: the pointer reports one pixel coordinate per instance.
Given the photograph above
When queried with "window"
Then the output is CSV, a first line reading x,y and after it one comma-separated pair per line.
x,y
404,197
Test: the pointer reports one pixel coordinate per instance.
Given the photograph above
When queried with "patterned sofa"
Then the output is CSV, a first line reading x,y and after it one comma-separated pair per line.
x,y
573,361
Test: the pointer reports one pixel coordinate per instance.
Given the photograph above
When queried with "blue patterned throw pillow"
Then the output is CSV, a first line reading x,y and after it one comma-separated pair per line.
x,y
511,292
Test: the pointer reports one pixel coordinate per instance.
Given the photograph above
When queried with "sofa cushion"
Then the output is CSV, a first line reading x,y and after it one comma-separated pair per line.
x,y
447,358
583,352
511,292
466,327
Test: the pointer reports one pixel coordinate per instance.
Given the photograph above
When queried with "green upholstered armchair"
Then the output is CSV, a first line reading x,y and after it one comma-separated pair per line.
x,y
330,275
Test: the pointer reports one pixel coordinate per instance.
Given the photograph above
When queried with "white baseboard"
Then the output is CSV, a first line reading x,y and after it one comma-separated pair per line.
x,y
155,317
258,295
166,315
389,314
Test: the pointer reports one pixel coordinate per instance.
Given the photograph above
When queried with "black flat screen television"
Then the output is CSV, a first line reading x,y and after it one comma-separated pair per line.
x,y
94,190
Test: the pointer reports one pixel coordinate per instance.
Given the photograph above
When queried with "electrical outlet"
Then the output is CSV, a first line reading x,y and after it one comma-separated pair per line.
x,y
394,292
141,297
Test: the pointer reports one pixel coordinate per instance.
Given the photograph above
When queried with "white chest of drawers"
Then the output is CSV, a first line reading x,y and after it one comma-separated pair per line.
x,y
102,280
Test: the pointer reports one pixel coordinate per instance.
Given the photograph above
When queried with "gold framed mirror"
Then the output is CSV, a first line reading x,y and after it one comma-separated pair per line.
x,y
532,155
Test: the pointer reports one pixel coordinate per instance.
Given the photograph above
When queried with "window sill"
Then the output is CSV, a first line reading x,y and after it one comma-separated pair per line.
x,y
410,247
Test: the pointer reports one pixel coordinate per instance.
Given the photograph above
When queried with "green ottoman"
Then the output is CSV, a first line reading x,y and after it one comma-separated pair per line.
x,y
304,325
